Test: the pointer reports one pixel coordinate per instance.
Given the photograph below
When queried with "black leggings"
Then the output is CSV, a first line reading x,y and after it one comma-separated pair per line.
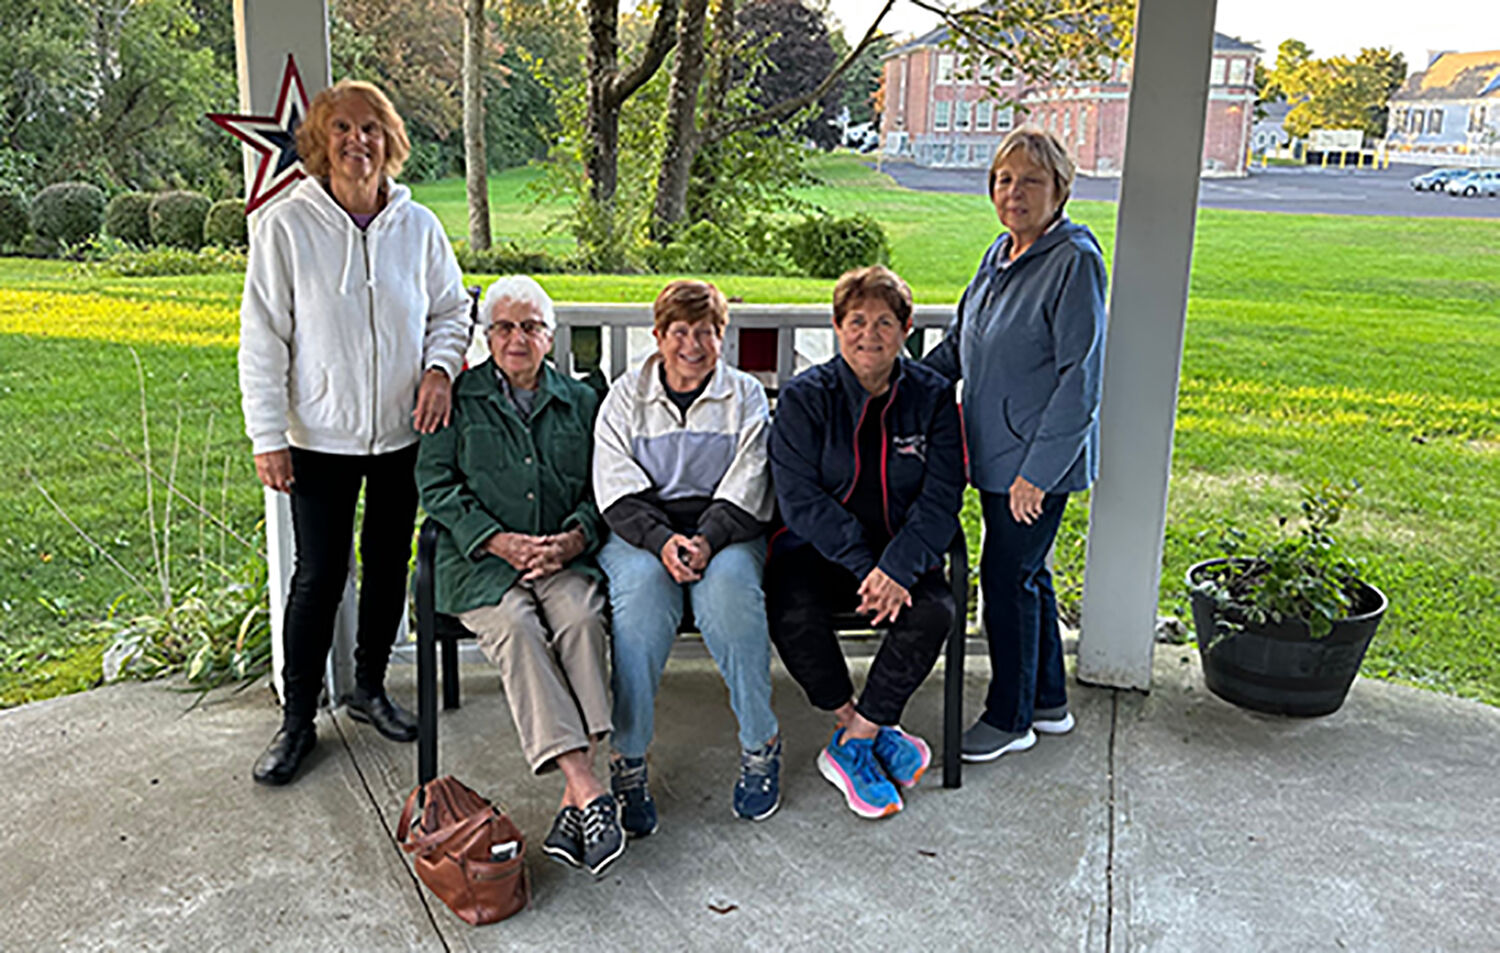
x,y
803,590
324,495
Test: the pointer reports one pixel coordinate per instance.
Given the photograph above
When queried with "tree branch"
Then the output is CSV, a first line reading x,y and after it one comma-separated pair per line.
x,y
789,106
663,36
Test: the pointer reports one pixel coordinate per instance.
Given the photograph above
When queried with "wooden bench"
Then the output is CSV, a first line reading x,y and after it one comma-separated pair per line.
x,y
435,628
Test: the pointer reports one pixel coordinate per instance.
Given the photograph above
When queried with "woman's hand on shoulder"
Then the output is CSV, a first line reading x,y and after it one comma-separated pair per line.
x,y
434,402
274,467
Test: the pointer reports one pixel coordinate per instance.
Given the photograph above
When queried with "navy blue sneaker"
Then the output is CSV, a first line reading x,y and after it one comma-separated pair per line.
x,y
627,779
902,754
757,794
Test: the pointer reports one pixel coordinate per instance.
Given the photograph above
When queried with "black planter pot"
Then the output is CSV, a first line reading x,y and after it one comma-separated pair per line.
x,y
1279,668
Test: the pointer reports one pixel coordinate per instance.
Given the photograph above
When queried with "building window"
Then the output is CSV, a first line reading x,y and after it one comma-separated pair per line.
x,y
1414,121
941,110
1476,119
1237,72
961,117
1216,72
1005,118
940,154
1435,121
1083,115
1067,126
945,69
984,111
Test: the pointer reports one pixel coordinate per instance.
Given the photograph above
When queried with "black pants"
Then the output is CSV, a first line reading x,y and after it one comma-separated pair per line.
x,y
324,495
804,590
1020,613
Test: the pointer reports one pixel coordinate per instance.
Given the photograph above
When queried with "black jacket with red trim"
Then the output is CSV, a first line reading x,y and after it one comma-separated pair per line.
x,y
815,464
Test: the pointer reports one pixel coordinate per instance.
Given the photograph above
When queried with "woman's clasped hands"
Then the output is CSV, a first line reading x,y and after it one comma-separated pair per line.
x,y
536,557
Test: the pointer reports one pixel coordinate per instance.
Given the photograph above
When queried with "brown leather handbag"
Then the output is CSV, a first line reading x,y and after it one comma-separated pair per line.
x,y
451,845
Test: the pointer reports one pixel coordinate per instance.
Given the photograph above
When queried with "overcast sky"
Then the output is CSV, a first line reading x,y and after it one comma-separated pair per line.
x,y
1330,27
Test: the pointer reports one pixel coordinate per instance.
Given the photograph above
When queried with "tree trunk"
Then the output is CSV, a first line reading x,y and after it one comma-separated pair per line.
x,y
602,146
475,164
682,130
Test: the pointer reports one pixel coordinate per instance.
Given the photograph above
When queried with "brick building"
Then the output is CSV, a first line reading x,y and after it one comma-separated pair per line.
x,y
937,116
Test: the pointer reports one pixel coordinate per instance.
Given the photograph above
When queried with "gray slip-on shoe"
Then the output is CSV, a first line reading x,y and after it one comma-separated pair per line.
x,y
985,742
1052,721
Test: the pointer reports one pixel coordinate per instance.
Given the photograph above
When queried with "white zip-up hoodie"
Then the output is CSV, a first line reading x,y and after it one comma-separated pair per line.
x,y
337,325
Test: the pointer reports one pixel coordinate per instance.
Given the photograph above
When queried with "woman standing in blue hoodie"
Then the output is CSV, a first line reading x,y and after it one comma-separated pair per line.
x,y
1028,342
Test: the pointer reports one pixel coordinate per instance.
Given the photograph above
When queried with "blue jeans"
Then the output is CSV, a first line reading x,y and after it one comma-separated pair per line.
x,y
1020,613
730,609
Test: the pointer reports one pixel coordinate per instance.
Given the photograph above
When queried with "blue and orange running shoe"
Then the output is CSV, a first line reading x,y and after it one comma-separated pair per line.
x,y
850,765
902,754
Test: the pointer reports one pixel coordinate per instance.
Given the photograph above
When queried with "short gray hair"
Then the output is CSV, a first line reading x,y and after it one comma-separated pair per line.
x,y
521,289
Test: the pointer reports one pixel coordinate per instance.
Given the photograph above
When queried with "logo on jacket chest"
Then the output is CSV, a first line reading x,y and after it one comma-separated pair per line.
x,y
913,446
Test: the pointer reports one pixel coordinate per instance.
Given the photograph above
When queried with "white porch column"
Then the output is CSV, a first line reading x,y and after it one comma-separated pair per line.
x,y
265,32
1148,307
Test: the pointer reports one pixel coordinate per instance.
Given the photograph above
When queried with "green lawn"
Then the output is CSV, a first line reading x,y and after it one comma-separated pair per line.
x,y
1317,346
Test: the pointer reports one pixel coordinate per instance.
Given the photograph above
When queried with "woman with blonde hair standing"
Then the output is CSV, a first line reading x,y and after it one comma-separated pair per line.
x,y
352,327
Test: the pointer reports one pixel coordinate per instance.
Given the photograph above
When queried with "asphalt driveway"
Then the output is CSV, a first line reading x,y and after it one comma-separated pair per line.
x,y
1308,190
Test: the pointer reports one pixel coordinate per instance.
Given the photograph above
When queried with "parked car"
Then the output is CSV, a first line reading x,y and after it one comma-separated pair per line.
x,y
1435,180
1478,182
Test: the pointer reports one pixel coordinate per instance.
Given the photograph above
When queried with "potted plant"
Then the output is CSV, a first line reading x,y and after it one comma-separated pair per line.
x,y
1284,630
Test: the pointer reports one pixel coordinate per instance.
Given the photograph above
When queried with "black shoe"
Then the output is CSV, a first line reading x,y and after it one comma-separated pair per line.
x,y
278,764
564,842
377,709
603,840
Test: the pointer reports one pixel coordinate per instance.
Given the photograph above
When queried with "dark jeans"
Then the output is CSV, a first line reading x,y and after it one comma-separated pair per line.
x,y
1020,613
804,590
324,495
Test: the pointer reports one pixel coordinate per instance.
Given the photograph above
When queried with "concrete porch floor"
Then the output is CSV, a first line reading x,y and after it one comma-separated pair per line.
x,y
1170,821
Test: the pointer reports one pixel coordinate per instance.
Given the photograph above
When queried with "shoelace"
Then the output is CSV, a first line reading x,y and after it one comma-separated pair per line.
x,y
627,777
866,768
572,823
760,764
597,818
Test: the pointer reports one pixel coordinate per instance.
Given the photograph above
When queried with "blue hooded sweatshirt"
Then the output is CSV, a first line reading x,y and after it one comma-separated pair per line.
x,y
1028,341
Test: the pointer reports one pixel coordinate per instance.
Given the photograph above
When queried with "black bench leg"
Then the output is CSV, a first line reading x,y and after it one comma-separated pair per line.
x,y
427,715
450,671
953,667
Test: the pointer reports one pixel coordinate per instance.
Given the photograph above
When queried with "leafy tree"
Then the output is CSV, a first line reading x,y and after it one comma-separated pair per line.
x,y
412,50
799,53
1335,93
862,81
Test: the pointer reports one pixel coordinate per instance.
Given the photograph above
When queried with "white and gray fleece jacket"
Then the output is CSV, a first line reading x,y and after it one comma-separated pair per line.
x,y
658,470
338,324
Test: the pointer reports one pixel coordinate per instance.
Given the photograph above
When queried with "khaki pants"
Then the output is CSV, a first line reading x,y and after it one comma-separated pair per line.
x,y
547,637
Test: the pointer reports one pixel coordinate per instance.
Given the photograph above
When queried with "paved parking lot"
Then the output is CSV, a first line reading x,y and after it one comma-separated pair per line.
x,y
1311,190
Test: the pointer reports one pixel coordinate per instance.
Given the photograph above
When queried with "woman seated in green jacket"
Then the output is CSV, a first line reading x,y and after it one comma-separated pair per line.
x,y
509,482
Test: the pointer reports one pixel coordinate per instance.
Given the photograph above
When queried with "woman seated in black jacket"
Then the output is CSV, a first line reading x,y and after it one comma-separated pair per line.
x,y
867,458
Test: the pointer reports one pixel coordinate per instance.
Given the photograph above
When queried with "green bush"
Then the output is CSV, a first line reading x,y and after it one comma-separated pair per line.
x,y
508,259
165,260
177,219
709,248
125,218
225,225
67,213
826,247
13,222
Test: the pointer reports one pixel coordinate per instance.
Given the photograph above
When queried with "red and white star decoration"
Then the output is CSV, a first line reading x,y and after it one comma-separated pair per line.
x,y
274,137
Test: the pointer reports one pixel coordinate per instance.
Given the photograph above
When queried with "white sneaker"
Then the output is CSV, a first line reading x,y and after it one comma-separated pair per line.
x,y
1053,721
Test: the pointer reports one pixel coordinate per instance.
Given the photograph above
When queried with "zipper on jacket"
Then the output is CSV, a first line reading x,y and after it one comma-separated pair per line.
x,y
364,242
885,443
857,427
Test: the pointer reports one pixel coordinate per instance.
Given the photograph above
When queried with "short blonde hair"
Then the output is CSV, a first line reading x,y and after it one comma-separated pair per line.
x,y
875,281
690,301
1044,149
312,133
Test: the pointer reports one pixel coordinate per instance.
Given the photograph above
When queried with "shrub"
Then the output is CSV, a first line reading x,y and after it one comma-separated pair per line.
x,y
826,247
68,213
13,222
177,219
710,248
163,261
125,218
508,259
225,225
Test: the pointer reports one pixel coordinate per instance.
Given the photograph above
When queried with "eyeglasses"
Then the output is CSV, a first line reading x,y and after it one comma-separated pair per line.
x,y
529,328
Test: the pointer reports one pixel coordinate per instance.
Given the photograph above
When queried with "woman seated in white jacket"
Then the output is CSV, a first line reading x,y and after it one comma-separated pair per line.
x,y
352,327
